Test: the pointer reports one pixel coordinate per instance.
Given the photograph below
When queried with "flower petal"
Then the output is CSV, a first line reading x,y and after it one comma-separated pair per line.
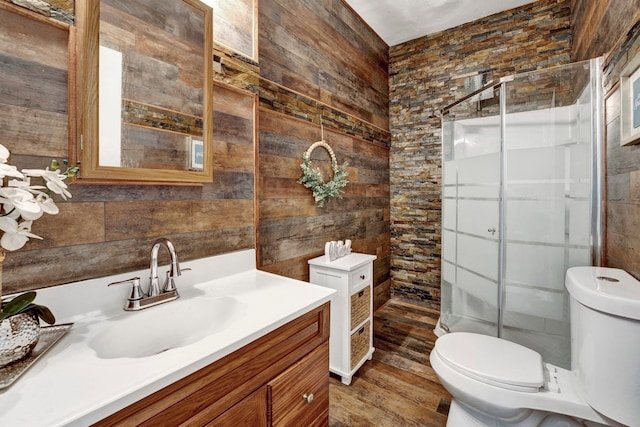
x,y
13,241
8,225
18,183
8,170
33,172
23,201
58,189
4,154
48,205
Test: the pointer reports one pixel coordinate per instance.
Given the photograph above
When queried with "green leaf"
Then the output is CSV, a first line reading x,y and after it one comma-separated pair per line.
x,y
44,313
17,304
24,302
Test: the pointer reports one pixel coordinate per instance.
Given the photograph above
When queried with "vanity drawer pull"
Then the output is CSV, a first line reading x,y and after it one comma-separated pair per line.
x,y
361,293
362,276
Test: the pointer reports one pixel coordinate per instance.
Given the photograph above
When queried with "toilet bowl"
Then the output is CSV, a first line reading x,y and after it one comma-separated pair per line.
x,y
505,384
499,383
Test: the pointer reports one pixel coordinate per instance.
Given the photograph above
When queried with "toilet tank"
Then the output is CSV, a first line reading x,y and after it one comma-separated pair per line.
x,y
605,340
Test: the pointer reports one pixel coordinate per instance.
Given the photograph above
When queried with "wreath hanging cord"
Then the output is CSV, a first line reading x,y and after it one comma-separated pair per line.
x,y
312,177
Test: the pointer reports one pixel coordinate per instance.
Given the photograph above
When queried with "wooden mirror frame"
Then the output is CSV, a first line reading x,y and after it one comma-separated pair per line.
x,y
86,149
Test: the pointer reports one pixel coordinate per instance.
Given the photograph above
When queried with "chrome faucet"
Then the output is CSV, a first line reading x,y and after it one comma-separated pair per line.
x,y
174,270
138,300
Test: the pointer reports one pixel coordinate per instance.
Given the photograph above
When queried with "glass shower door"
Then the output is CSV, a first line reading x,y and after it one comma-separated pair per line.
x,y
521,203
470,209
548,140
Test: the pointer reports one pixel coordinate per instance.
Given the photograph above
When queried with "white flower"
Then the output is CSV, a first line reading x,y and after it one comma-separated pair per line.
x,y
54,180
47,204
22,201
8,170
15,235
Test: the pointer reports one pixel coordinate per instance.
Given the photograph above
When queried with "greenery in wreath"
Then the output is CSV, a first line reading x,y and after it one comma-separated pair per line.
x,y
313,180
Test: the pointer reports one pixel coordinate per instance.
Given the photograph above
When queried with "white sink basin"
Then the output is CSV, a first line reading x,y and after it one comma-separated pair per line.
x,y
167,326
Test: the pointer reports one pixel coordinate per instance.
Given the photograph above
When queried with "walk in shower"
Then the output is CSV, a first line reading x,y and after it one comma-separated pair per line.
x,y
521,203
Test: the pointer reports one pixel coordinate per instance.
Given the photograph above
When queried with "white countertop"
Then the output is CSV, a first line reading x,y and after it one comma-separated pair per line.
x,y
71,386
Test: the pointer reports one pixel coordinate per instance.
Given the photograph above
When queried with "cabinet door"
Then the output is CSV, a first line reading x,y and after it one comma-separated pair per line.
x,y
300,395
249,412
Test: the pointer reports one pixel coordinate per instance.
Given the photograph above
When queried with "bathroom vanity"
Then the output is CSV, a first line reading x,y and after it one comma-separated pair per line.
x,y
260,358
279,379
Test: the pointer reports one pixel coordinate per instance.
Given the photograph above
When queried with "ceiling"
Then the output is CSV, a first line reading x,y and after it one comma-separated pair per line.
x,y
398,21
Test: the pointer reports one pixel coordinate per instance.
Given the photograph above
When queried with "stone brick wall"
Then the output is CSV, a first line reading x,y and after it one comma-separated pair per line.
x,y
61,10
426,75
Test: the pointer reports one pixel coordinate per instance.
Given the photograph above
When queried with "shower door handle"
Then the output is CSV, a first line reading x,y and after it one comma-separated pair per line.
x,y
492,230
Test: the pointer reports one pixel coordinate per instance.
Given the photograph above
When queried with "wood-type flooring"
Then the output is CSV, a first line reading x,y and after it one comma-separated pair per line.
x,y
398,387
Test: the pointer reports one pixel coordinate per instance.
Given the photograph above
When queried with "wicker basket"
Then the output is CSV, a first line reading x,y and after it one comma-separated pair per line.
x,y
360,303
360,344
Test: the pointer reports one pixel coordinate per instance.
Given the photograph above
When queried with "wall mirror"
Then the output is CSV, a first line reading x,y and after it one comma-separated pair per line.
x,y
144,91
235,25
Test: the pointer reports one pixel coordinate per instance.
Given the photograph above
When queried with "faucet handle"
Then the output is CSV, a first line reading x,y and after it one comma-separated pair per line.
x,y
136,290
169,282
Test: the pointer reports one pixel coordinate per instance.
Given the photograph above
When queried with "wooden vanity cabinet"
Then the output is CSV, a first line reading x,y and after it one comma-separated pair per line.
x,y
249,412
265,383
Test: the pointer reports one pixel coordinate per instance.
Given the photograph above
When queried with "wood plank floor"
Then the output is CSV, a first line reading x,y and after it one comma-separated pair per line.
x,y
398,387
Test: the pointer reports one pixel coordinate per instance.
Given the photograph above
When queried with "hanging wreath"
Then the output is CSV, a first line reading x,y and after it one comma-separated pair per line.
x,y
312,177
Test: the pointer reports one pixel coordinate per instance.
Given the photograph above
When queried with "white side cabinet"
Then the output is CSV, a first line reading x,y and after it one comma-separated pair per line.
x,y
351,339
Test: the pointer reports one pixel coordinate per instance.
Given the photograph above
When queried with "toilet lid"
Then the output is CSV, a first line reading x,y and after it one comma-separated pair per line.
x,y
492,360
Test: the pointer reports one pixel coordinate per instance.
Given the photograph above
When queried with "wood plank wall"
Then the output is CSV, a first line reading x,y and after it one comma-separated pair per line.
x,y
292,229
34,107
613,29
321,50
338,75
426,75
599,26
320,64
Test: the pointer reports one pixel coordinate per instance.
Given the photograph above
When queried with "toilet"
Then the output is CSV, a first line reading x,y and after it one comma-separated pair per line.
x,y
499,383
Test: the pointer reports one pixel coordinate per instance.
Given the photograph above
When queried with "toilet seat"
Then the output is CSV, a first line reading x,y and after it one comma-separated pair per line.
x,y
492,360
499,398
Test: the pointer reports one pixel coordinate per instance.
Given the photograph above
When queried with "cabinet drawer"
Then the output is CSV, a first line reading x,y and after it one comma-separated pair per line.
x,y
309,377
249,412
360,277
360,306
360,344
